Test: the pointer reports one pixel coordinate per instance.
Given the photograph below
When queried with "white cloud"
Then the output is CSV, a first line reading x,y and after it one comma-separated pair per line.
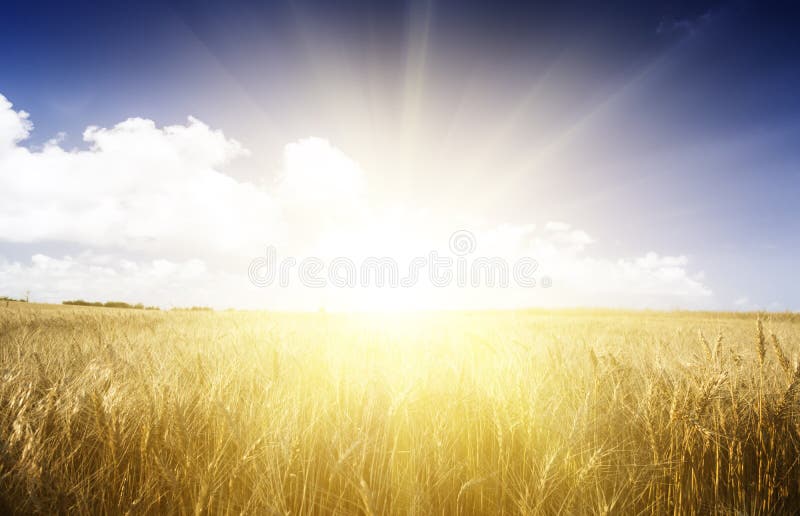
x,y
146,201
96,277
650,280
14,126
316,171
557,226
776,306
137,187
744,304
563,234
320,190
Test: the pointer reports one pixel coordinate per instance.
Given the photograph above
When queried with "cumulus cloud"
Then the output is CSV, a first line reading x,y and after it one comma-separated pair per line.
x,y
320,189
153,208
93,276
137,187
580,279
562,234
745,304
315,171
14,126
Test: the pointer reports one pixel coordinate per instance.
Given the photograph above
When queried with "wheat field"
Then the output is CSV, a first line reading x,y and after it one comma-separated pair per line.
x,y
111,411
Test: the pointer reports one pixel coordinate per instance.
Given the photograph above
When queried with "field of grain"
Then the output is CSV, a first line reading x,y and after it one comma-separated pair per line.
x,y
106,411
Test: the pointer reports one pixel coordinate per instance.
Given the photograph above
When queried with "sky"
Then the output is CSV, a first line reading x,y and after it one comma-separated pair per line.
x,y
645,155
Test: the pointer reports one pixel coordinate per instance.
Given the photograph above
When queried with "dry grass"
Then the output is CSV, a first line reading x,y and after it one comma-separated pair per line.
x,y
112,411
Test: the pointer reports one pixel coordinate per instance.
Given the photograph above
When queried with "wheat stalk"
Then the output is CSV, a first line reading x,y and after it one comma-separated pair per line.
x,y
782,359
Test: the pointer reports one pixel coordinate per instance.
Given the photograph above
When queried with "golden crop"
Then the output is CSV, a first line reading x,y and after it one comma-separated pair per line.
x,y
120,411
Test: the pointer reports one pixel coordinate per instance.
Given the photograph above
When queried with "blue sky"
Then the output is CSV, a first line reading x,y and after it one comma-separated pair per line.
x,y
669,129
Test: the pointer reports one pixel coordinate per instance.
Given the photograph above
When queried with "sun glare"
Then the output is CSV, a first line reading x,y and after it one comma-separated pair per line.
x,y
417,257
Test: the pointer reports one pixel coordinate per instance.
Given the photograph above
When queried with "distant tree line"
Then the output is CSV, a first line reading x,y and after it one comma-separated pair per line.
x,y
110,304
6,298
137,306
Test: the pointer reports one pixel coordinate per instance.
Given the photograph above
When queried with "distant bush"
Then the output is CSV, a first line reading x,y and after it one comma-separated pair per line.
x,y
119,304
81,302
194,308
